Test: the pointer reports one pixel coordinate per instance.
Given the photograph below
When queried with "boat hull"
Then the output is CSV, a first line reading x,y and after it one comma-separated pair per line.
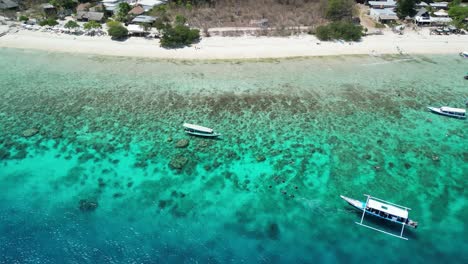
x,y
437,110
199,134
361,207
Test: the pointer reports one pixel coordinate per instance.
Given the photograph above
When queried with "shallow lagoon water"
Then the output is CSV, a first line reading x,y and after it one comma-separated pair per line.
x,y
297,133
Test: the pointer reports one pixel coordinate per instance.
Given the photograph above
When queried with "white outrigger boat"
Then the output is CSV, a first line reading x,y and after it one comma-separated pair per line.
x,y
464,54
201,131
449,111
384,210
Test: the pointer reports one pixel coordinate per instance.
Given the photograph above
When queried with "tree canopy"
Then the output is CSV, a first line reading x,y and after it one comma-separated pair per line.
x,y
116,30
91,25
406,8
48,22
178,35
71,24
122,12
458,14
339,30
339,10
66,4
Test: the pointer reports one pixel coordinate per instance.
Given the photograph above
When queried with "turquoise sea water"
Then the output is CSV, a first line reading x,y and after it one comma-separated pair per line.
x,y
97,183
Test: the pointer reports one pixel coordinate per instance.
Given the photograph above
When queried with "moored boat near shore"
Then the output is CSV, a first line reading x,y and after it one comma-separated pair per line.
x,y
449,111
382,209
201,131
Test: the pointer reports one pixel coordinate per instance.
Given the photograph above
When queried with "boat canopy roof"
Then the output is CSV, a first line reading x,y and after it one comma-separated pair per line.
x,y
387,208
198,128
453,110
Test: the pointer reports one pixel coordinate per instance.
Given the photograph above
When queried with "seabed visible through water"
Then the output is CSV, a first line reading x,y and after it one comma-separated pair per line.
x,y
95,166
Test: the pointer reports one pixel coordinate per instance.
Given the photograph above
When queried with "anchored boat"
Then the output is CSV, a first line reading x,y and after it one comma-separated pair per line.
x,y
449,111
384,210
201,131
464,54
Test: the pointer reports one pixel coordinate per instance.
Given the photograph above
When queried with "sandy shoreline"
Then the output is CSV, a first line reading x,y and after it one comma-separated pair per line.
x,y
246,47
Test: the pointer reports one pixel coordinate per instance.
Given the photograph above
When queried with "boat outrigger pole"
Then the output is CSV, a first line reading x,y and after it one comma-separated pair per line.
x,y
376,229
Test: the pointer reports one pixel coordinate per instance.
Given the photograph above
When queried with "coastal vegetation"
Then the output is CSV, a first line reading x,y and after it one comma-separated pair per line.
x,y
459,14
122,13
65,4
48,22
406,8
339,30
340,12
276,17
23,18
278,14
91,25
116,30
178,34
71,24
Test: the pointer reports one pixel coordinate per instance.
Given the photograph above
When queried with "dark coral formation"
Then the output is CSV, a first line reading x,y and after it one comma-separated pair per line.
x,y
30,132
183,143
273,231
178,162
88,205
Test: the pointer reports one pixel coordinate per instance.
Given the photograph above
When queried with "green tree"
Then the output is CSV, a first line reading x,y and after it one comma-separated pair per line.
x,y
91,25
23,18
180,20
178,36
339,30
458,15
160,24
339,10
65,4
122,13
71,24
406,8
116,30
111,23
48,22
454,3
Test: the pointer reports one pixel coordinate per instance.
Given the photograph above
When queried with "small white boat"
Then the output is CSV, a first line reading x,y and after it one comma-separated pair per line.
x,y
201,131
464,54
385,210
449,111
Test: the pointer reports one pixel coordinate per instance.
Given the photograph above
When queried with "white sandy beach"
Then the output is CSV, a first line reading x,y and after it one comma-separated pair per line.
x,y
246,47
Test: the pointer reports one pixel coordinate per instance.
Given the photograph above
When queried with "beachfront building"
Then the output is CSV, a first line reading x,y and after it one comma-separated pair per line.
x,y
49,10
141,25
143,20
98,8
383,15
438,18
136,30
8,4
112,5
382,4
83,7
383,11
136,10
439,5
148,4
90,16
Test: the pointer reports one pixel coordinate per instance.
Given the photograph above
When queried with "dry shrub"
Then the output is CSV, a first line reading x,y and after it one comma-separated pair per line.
x,y
239,13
